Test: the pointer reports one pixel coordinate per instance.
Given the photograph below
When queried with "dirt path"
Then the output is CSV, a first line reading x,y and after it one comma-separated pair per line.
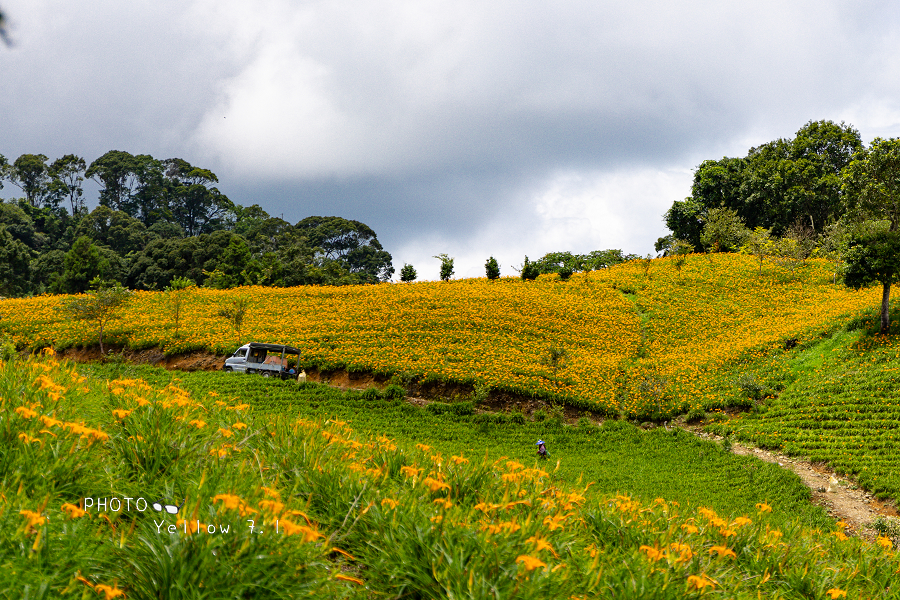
x,y
841,497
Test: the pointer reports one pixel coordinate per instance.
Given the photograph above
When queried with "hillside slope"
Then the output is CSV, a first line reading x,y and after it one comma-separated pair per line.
x,y
642,341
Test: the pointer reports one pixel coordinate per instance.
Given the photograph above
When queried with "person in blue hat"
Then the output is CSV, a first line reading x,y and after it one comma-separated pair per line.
x,y
542,449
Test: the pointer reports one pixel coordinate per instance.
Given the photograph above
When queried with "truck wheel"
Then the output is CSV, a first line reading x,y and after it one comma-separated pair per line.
x,y
228,369
266,374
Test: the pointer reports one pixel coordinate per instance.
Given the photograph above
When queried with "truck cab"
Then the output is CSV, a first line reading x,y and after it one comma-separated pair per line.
x,y
268,360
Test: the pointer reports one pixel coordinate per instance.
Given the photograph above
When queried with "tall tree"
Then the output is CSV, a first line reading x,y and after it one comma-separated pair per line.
x,y
114,229
31,174
82,264
193,201
352,244
775,185
66,178
872,185
117,172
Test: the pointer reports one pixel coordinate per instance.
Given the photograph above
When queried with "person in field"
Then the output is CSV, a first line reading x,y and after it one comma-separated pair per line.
x,y
542,449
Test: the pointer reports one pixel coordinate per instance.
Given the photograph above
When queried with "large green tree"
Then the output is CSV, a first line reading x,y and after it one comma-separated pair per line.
x,y
193,202
131,184
83,263
351,244
776,185
114,229
31,174
872,186
66,178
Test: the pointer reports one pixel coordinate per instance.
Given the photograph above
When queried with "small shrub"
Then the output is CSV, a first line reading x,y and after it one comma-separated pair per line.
x,y
492,268
540,415
530,270
517,417
7,351
408,273
436,408
462,408
371,394
585,423
695,415
394,392
482,393
483,419
751,386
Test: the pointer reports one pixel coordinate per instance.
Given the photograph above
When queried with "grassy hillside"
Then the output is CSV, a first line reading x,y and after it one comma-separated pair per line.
x,y
342,513
835,400
643,341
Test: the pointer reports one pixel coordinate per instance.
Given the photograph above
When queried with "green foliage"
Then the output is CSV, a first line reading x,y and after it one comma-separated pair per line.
x,y
680,250
492,268
31,174
723,231
394,392
776,185
15,265
99,306
872,182
874,257
408,273
759,244
350,244
83,263
530,270
751,387
446,266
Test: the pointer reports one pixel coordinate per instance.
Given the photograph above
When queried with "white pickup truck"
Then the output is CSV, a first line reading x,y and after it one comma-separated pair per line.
x,y
269,360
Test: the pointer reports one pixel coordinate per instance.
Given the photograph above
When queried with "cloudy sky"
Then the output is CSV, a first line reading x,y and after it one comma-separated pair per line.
x,y
469,128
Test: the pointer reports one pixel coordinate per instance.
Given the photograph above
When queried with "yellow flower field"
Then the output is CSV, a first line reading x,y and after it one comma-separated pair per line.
x,y
474,331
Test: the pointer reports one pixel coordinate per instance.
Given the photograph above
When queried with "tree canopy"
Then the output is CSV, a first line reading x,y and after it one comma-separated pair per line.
x,y
776,185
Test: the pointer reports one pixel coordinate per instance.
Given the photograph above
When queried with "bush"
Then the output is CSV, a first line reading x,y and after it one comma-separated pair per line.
x,y
751,387
491,268
462,408
695,415
517,417
482,393
7,351
530,270
446,266
407,273
436,408
371,394
394,392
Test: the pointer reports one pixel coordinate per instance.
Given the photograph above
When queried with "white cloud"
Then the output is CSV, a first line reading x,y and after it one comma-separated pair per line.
x,y
569,211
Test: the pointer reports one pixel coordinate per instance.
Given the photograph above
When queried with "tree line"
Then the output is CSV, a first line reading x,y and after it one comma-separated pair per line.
x,y
822,192
160,220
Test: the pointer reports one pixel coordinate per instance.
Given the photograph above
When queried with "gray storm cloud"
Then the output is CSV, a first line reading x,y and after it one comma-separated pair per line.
x,y
466,126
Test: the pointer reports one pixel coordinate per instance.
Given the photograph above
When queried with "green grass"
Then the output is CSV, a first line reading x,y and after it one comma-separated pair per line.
x,y
342,511
618,456
834,400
